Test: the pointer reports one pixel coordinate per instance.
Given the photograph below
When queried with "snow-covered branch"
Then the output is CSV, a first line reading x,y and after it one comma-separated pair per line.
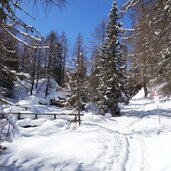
x,y
128,5
9,18
7,50
18,39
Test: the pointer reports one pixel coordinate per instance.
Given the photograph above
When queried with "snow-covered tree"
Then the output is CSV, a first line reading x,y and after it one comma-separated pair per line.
x,y
151,42
77,77
9,18
54,60
161,25
111,66
9,62
98,37
64,43
19,31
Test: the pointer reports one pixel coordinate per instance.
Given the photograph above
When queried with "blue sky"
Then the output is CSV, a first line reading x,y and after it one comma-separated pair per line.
x,y
78,16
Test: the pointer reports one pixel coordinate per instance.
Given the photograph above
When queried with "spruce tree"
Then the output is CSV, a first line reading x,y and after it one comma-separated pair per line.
x,y
111,67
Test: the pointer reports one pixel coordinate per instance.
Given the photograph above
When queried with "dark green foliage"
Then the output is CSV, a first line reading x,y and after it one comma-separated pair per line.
x,y
111,67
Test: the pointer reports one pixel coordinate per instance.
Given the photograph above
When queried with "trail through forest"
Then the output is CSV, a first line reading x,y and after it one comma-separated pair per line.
x,y
133,142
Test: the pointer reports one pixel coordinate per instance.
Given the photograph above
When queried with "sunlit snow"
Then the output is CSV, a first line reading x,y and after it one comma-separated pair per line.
x,y
133,142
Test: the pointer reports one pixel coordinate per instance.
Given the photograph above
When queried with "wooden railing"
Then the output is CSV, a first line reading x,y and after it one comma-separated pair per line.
x,y
20,115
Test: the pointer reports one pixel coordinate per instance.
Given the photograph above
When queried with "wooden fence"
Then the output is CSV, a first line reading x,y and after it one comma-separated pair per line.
x,y
20,115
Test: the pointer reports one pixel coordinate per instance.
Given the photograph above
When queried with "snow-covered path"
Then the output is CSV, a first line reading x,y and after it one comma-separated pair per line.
x,y
133,142
146,137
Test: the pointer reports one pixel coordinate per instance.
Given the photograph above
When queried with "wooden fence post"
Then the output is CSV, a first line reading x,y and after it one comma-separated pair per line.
x,y
19,116
54,116
36,116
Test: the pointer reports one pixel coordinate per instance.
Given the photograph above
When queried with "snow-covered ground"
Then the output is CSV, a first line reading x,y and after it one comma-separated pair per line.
x,y
133,142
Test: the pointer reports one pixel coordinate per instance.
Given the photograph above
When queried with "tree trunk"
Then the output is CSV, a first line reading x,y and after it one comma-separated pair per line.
x,y
37,75
145,79
145,87
79,108
33,73
47,86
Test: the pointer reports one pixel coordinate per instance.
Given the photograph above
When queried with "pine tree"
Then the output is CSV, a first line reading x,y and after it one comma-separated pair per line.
x,y
77,77
111,67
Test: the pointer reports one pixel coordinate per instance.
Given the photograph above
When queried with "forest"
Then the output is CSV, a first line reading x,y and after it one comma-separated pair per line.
x,y
121,62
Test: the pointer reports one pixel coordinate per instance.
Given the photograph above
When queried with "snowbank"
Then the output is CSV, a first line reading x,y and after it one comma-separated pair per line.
x,y
133,142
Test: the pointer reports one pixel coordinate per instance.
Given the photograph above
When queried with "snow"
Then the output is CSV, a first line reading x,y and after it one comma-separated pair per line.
x,y
22,90
92,107
133,142
30,122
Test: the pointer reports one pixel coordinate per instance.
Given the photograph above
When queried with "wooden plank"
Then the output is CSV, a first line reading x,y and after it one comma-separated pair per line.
x,y
35,115
52,114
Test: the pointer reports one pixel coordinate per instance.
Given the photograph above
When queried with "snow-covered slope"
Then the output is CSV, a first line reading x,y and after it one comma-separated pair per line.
x,y
133,142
